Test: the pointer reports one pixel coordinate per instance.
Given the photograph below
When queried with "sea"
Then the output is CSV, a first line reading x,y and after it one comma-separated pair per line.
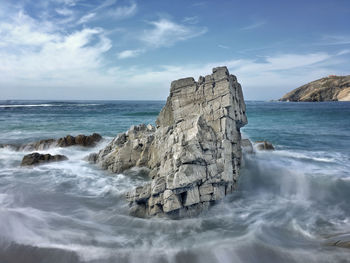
x,y
290,205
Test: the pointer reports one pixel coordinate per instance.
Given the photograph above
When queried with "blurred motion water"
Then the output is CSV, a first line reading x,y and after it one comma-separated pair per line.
x,y
288,205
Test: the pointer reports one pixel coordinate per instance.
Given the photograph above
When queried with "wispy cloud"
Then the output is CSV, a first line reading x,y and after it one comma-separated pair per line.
x,y
130,53
250,67
275,76
67,2
122,12
343,52
108,9
335,40
64,11
192,20
254,25
104,4
290,61
223,46
86,18
166,33
200,4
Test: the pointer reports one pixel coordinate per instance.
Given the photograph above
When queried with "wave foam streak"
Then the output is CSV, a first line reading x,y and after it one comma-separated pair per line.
x,y
289,203
278,214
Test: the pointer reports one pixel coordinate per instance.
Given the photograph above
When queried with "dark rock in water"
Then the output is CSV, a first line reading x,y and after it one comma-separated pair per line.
x,y
247,146
37,158
81,140
69,140
88,140
194,153
332,88
264,146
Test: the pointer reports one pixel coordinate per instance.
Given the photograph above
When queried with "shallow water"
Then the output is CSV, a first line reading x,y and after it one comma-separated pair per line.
x,y
289,204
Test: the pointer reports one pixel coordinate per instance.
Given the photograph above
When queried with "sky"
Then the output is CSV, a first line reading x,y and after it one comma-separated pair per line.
x,y
133,49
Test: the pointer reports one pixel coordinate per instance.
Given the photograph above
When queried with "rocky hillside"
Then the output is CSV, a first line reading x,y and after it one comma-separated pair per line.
x,y
332,88
194,152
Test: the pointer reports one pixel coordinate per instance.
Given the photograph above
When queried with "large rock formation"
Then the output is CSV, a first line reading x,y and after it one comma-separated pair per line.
x,y
332,88
193,153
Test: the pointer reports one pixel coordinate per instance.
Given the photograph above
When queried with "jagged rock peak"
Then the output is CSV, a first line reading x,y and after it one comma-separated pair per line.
x,y
194,152
187,93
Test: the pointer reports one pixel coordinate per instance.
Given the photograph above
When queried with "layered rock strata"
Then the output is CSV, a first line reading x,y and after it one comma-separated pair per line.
x,y
332,88
194,152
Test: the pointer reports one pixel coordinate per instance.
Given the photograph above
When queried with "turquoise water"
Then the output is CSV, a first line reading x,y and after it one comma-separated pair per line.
x,y
289,204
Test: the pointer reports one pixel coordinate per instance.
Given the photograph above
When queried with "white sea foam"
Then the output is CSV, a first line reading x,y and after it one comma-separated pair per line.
x,y
275,214
4,199
315,156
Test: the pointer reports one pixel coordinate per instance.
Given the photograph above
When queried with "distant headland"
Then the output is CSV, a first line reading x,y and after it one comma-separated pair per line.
x,y
331,88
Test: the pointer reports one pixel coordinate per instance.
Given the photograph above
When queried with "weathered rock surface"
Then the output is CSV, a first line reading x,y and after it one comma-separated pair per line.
x,y
37,158
81,140
264,146
194,152
332,88
127,149
247,146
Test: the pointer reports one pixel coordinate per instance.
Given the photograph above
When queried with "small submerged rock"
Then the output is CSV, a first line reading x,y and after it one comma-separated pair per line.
x,y
264,146
37,158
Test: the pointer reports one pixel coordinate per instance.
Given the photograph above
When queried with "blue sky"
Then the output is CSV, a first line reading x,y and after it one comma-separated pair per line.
x,y
129,49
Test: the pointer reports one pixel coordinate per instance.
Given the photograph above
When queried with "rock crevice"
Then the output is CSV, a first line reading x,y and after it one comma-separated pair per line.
x,y
194,152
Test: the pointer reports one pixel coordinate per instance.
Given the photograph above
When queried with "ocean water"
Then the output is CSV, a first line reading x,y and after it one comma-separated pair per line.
x,y
289,205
